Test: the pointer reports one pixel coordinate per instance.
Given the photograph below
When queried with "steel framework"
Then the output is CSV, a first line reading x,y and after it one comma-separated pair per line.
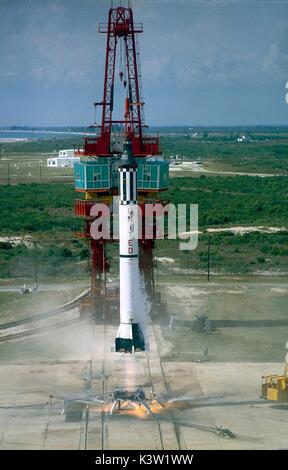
x,y
121,27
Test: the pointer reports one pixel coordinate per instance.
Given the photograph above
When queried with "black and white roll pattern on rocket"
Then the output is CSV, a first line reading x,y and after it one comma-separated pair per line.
x,y
129,336
128,185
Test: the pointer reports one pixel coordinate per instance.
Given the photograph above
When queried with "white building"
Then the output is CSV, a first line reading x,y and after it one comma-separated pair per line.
x,y
65,158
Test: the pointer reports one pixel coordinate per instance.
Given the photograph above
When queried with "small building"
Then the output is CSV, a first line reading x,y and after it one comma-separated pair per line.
x,y
65,158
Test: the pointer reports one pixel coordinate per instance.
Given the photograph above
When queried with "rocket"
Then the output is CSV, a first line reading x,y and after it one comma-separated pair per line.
x,y
129,337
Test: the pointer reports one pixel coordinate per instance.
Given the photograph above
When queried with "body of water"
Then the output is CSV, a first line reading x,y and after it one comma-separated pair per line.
x,y
11,136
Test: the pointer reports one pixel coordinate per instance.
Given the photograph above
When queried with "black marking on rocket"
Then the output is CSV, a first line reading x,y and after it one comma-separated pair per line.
x,y
137,343
129,195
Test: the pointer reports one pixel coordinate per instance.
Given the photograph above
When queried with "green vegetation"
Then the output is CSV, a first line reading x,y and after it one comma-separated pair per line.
x,y
40,146
263,150
57,255
229,253
45,212
225,201
38,208
261,154
237,200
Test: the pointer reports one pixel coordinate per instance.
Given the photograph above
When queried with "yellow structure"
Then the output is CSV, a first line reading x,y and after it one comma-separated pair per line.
x,y
275,387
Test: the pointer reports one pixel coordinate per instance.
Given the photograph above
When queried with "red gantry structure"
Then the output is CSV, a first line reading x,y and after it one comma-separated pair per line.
x,y
121,34
96,176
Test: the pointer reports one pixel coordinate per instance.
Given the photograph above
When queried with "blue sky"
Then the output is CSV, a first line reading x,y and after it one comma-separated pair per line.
x,y
204,62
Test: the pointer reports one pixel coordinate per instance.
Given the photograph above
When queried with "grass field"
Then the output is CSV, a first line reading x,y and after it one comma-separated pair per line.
x,y
44,212
15,306
263,151
42,208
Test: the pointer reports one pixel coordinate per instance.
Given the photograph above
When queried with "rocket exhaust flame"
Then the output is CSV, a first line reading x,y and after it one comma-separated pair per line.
x,y
135,403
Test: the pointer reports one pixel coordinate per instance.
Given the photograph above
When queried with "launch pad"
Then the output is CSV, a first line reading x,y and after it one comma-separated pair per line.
x,y
212,394
127,400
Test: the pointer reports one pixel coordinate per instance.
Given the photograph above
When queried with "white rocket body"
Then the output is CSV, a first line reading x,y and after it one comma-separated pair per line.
x,y
129,337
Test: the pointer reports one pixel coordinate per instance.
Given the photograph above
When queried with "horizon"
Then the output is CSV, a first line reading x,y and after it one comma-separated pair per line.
x,y
189,126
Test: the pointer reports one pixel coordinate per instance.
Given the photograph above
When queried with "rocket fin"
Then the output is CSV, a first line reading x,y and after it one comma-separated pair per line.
x,y
129,338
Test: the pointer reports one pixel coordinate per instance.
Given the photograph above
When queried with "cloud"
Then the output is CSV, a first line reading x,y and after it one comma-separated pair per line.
x,y
195,44
52,58
270,60
46,47
62,57
191,51
275,61
224,66
155,68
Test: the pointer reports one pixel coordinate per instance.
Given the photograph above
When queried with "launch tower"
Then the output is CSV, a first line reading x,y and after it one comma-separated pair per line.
x,y
97,174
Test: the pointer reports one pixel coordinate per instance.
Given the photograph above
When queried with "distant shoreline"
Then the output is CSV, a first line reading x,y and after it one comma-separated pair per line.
x,y
8,131
7,140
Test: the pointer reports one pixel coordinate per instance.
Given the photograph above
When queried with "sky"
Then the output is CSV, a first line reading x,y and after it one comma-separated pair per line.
x,y
204,62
